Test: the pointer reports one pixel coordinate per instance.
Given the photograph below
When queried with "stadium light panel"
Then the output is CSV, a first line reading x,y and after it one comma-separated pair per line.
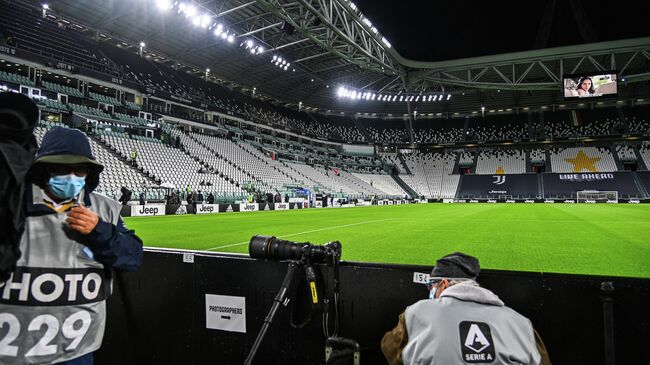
x,y
386,42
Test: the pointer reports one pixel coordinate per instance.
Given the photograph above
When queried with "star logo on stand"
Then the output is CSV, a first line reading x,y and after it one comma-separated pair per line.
x,y
583,162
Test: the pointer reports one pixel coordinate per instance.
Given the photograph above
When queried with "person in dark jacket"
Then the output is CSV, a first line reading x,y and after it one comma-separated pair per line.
x,y
76,238
18,116
126,195
142,199
210,198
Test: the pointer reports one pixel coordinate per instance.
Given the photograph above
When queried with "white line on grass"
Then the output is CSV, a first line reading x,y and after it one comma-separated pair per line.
x,y
299,233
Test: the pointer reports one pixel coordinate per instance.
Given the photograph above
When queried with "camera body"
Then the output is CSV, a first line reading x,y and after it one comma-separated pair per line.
x,y
274,249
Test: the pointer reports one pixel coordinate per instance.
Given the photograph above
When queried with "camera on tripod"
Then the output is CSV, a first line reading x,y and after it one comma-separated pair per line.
x,y
301,255
274,249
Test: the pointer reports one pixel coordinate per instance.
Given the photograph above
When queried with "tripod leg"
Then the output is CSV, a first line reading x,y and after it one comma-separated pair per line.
x,y
279,298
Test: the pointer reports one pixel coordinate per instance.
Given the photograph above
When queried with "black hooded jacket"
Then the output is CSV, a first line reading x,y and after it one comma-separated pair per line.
x,y
18,116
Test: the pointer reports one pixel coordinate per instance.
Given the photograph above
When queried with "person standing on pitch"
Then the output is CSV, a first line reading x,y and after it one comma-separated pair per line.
x,y
462,323
54,303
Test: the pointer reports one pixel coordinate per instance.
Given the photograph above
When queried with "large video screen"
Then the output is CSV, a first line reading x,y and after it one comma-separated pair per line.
x,y
590,85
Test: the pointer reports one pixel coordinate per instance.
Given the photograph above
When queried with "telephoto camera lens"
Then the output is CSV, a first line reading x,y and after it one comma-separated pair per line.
x,y
271,248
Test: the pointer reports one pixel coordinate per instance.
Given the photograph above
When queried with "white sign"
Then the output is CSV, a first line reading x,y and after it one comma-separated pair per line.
x,y
188,257
381,202
147,210
207,208
447,200
421,278
281,206
246,207
226,313
318,204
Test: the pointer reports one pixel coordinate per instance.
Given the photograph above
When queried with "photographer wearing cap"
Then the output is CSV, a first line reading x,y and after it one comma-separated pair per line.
x,y
462,323
54,303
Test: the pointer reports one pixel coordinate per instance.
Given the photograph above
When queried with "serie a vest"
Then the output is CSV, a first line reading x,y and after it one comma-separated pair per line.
x,y
450,331
53,307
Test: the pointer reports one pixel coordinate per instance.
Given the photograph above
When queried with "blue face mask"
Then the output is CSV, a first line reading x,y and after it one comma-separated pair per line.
x,y
66,186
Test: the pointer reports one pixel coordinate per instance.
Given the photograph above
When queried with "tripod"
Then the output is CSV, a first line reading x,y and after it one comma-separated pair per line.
x,y
279,298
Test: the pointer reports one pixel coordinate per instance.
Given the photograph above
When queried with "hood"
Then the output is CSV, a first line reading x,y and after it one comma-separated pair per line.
x,y
66,146
468,291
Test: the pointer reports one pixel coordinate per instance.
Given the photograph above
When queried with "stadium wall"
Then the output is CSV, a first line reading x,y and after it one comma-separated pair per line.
x,y
158,314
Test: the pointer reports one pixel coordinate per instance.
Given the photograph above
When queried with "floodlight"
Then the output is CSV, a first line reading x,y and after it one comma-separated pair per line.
x,y
286,68
163,4
249,43
231,38
205,20
196,20
207,70
224,35
46,6
394,97
217,31
418,98
142,44
401,98
275,57
190,10
448,96
288,64
260,49
219,27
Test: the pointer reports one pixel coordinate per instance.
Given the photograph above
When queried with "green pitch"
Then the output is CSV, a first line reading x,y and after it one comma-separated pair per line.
x,y
561,238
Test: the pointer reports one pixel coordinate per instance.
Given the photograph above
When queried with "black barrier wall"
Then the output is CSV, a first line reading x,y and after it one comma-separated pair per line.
x,y
158,314
566,185
494,186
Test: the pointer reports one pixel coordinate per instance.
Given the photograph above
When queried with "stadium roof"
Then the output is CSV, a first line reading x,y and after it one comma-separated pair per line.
x,y
332,43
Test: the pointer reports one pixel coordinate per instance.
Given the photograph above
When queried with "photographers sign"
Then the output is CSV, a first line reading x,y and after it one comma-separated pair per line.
x,y
147,210
207,208
225,312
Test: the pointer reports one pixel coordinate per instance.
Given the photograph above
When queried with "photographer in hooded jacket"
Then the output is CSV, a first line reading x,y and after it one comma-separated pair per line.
x,y
54,302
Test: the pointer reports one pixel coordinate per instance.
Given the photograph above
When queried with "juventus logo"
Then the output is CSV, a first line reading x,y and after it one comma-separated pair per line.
x,y
500,179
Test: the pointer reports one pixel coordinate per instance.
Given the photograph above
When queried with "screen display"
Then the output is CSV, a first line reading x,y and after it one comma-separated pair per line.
x,y
590,85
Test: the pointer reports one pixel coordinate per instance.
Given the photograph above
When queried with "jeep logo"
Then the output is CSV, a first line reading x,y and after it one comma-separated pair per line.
x,y
206,208
149,211
249,207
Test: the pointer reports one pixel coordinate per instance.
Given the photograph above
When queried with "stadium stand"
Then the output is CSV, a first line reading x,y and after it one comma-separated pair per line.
x,y
430,173
501,162
582,159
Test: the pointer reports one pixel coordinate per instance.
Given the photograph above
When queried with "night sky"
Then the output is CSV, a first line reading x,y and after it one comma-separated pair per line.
x,y
432,30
